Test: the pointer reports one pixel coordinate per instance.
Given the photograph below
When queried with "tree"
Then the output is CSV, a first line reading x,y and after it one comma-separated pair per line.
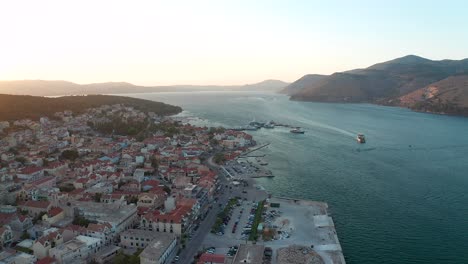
x,y
21,160
131,199
167,189
67,188
154,163
81,221
25,235
38,217
122,258
97,197
120,184
214,142
70,154
219,158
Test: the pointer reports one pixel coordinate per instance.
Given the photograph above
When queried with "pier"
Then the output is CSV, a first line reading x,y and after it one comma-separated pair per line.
x,y
254,149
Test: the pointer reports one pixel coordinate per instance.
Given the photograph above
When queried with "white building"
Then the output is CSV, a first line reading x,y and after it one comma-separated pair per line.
x,y
78,250
159,250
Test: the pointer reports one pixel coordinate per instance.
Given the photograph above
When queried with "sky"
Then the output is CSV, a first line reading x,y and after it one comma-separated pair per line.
x,y
219,42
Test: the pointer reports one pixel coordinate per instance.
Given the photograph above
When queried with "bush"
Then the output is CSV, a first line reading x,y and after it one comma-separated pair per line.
x,y
70,154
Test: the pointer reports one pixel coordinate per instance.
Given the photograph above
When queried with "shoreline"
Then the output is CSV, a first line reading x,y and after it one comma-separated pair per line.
x,y
322,233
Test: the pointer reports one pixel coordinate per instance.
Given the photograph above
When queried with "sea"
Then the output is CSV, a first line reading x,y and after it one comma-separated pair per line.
x,y
402,197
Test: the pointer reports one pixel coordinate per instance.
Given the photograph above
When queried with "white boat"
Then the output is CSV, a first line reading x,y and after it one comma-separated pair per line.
x,y
360,138
297,130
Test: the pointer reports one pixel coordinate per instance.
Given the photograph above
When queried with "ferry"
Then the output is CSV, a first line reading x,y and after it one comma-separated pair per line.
x,y
297,130
360,138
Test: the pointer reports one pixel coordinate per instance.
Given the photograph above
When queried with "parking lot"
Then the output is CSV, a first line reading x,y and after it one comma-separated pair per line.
x,y
236,231
243,168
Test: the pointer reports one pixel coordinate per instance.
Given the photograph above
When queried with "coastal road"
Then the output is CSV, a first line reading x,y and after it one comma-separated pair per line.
x,y
191,249
192,246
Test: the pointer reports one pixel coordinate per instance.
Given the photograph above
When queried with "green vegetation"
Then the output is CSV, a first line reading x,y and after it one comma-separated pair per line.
x,y
25,250
81,221
131,199
21,160
15,107
216,130
154,163
119,127
438,106
257,219
169,129
122,258
223,214
219,158
97,197
167,189
67,187
70,154
38,217
25,235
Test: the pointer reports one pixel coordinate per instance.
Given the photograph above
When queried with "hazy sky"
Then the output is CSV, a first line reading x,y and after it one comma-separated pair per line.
x,y
219,42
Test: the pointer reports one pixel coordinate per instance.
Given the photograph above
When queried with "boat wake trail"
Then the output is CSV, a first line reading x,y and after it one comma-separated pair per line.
x,y
413,148
311,124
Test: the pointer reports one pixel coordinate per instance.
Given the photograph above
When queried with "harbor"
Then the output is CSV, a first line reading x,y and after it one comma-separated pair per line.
x,y
289,230
254,125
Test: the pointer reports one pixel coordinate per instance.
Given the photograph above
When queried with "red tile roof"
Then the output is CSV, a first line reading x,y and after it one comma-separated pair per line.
x,y
30,170
211,258
42,180
46,260
37,204
175,215
54,211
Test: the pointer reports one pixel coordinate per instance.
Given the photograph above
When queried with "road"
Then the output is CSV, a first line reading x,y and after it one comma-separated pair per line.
x,y
192,246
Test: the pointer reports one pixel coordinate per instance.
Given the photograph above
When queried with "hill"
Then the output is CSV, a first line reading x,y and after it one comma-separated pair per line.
x,y
14,107
267,85
380,82
448,96
60,88
303,82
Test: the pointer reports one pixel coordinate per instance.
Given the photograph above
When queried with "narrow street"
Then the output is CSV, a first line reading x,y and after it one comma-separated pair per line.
x,y
192,246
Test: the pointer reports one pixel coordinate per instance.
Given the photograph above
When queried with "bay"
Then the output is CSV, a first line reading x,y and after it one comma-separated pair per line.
x,y
399,198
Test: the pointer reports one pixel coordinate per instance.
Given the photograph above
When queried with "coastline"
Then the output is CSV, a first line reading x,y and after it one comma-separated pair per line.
x,y
321,234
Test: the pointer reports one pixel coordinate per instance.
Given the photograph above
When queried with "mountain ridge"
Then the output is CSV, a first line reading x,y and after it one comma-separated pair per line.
x,y
382,83
61,88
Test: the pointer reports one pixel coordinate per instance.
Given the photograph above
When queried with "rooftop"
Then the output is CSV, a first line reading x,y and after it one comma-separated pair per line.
x,y
105,212
141,233
249,254
158,246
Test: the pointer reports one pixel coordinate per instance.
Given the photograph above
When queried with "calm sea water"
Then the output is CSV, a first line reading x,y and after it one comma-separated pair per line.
x,y
399,198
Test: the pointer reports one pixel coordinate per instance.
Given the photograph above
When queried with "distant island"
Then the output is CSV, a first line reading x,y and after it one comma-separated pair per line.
x,y
60,88
411,81
16,107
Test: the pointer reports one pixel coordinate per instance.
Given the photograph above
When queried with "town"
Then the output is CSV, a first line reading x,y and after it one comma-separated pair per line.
x,y
118,185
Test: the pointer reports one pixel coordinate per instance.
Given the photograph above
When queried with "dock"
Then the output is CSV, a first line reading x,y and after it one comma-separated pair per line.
x,y
254,149
307,224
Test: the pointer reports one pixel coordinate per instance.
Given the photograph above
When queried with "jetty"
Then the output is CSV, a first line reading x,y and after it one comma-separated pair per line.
x,y
254,149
